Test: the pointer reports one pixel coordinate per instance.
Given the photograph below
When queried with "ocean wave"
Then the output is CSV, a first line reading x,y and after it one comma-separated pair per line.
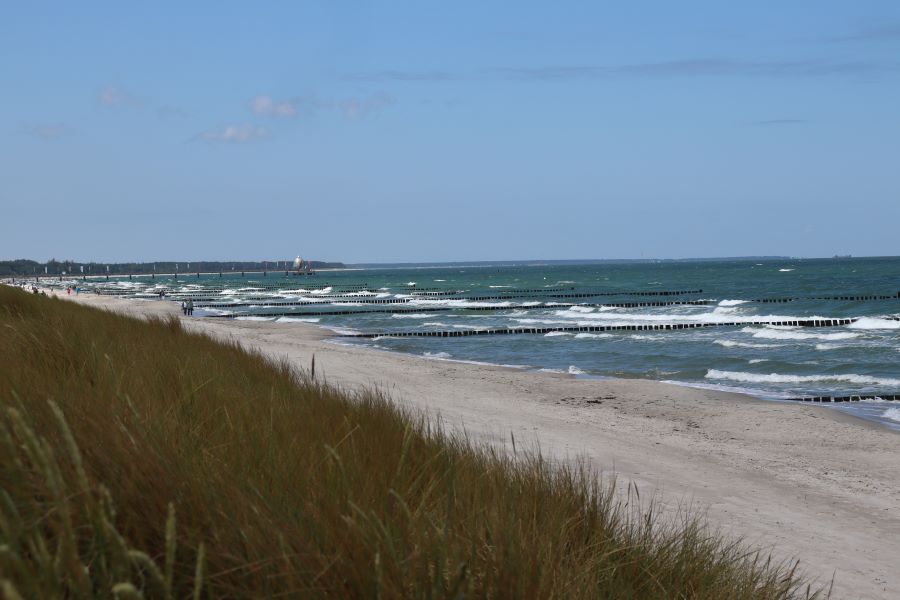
x,y
297,320
436,355
573,370
785,270
874,323
754,361
542,322
254,319
825,347
777,333
892,414
415,316
457,303
586,336
733,344
732,302
629,318
783,378
556,333
345,331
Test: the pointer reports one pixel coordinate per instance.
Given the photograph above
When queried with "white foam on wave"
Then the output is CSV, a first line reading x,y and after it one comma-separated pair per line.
x,y
732,302
824,347
437,355
733,344
573,370
254,319
556,333
782,333
499,286
297,320
892,414
456,303
582,309
415,316
783,378
618,317
874,323
754,361
785,270
587,336
542,322
343,330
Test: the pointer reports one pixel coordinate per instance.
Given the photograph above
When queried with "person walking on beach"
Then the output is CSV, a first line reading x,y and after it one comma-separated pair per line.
x,y
184,307
190,308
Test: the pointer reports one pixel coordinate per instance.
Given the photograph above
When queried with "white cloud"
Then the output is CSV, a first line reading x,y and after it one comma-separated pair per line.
x,y
355,108
49,131
113,95
238,134
264,105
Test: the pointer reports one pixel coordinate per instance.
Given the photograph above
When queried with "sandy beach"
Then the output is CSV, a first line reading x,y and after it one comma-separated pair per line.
x,y
802,481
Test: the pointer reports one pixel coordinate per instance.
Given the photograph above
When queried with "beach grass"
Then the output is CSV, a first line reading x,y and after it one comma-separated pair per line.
x,y
141,460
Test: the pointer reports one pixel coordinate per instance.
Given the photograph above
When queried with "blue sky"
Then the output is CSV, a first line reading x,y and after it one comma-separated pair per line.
x,y
424,131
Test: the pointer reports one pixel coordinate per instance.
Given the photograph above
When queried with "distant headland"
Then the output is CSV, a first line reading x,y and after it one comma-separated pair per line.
x,y
31,268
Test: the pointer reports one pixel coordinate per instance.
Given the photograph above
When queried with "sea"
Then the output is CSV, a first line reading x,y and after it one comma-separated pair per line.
x,y
772,362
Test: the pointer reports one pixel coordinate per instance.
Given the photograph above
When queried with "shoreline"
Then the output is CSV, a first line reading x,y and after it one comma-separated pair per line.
x,y
834,411
795,479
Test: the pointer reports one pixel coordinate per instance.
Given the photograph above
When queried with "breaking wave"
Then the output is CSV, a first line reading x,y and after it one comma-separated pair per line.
x,y
782,378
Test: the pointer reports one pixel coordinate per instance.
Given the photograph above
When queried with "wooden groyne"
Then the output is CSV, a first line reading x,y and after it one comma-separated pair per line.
x,y
444,309
603,328
856,398
864,298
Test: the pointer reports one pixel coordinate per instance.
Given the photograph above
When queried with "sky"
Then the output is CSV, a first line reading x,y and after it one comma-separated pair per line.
x,y
398,131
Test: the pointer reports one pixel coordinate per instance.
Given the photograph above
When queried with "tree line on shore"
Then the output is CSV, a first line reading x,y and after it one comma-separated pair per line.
x,y
31,268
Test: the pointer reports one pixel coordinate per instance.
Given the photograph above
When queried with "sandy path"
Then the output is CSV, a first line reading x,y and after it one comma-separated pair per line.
x,y
804,481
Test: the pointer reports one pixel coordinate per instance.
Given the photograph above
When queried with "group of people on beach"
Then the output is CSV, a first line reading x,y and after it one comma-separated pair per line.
x,y
187,307
70,288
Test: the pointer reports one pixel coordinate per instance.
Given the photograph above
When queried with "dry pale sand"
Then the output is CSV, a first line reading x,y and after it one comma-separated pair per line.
x,y
802,481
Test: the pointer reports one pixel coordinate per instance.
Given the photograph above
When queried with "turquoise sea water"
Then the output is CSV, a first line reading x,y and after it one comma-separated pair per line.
x,y
765,361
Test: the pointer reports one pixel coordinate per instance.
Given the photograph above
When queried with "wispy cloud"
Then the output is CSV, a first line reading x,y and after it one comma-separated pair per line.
x,y
400,75
168,111
882,33
698,67
353,107
691,67
49,131
115,95
264,105
235,134
357,107
780,122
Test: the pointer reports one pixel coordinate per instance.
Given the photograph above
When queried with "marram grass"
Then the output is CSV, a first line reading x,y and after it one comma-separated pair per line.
x,y
138,460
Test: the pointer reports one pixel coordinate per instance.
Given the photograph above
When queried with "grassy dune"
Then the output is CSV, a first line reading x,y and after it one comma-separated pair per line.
x,y
138,459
